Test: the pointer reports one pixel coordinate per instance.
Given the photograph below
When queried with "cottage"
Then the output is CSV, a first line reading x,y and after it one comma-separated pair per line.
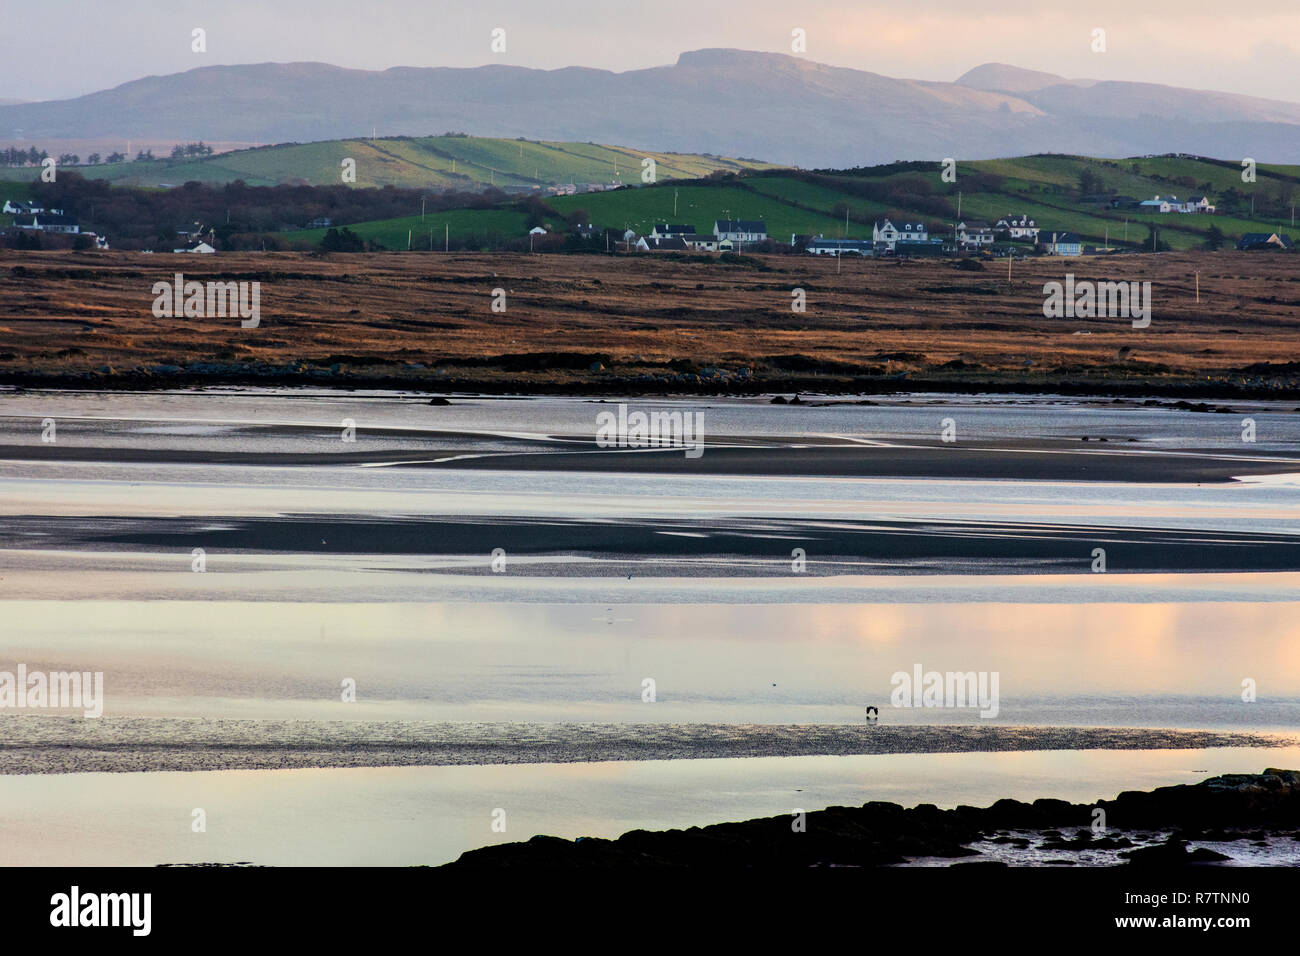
x,y
886,236
1018,227
739,230
538,231
1264,240
974,235
1063,244
1200,204
699,243
201,248
664,244
821,246
663,230
48,222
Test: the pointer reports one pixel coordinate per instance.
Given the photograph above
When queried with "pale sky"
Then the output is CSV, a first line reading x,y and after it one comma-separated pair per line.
x,y
60,48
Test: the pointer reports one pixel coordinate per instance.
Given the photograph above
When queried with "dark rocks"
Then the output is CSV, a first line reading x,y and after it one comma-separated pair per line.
x,y
881,834
438,400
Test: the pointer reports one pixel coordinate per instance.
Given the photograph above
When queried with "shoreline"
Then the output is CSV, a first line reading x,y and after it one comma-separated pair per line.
x,y
45,745
757,387
1232,818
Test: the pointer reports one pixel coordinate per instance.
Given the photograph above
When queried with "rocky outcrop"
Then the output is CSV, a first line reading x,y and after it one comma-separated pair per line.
x,y
878,834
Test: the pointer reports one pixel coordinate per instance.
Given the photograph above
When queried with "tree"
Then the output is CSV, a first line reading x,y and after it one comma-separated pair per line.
x,y
1089,182
344,240
116,158
1214,238
93,159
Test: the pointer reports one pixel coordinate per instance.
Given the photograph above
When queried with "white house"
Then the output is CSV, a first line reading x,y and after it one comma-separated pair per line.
x,y
202,248
665,231
739,230
885,234
700,243
821,246
537,231
1174,204
1020,227
48,222
974,235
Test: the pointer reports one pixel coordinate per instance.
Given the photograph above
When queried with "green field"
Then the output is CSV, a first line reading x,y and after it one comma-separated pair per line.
x,y
432,162
1044,187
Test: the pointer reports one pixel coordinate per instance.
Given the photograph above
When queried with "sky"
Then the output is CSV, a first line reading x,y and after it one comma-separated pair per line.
x,y
63,48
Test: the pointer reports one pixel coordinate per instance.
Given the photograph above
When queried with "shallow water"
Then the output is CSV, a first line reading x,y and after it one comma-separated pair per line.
x,y
429,815
436,635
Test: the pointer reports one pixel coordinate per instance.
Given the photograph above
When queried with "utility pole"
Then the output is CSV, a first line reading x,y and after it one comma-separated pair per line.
x,y
431,238
675,208
408,240
422,209
959,205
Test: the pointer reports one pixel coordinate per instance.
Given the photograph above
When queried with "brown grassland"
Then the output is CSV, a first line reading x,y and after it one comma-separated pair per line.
x,y
651,323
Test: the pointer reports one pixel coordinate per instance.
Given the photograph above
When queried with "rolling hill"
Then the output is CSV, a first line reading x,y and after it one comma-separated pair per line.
x,y
1044,187
429,162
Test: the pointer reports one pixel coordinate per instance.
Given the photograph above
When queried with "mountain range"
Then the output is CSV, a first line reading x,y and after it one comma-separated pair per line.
x,y
780,108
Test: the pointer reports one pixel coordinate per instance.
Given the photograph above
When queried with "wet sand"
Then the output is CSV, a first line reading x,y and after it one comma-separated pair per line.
x,y
666,547
1034,460
120,745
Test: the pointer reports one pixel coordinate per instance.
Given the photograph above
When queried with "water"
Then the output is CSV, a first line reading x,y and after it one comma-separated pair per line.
x,y
96,558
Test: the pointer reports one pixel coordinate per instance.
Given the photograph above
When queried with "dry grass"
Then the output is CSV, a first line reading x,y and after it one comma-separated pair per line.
x,y
78,312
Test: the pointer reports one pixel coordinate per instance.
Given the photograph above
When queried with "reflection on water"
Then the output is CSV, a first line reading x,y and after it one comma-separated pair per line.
x,y
1130,664
430,815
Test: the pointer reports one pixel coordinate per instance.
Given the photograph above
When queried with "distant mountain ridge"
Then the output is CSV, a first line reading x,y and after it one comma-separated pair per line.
x,y
776,107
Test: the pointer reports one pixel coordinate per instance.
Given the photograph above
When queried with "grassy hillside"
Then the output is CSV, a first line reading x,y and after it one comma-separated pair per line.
x,y
1047,188
432,162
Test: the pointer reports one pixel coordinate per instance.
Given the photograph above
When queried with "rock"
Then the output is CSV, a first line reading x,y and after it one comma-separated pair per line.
x,y
438,400
779,400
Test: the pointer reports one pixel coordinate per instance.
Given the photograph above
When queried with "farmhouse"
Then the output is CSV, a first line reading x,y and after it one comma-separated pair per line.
x,y
663,230
886,235
1174,204
48,222
1019,227
739,230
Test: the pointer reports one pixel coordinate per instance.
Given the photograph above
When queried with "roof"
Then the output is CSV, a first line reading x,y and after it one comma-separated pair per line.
x,y
1067,238
905,227
740,225
668,243
664,227
840,243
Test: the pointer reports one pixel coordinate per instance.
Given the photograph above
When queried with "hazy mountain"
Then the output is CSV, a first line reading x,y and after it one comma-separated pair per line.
x,y
771,106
